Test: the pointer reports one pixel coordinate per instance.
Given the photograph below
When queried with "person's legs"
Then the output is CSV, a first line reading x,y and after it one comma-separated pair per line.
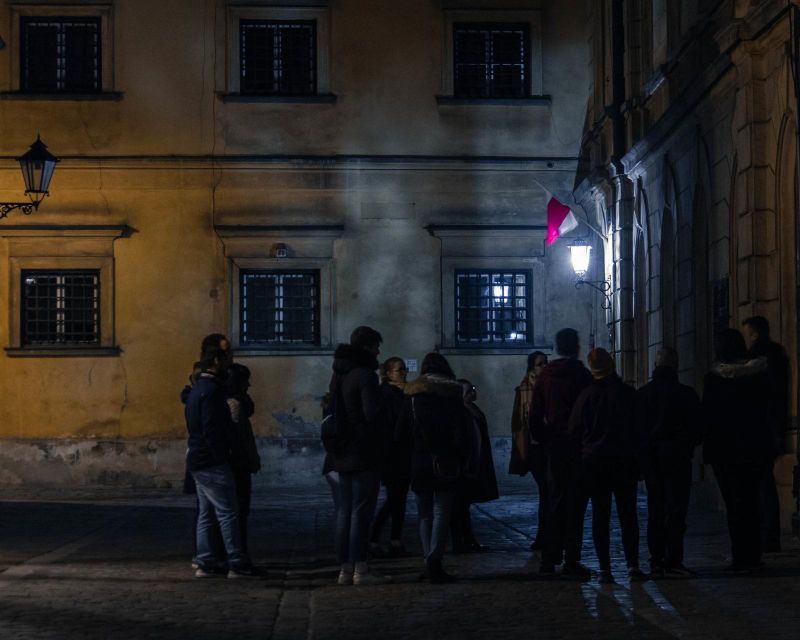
x,y
244,491
557,470
442,509
626,484
344,518
398,499
458,516
597,482
538,466
424,500
750,490
656,515
366,485
678,486
216,488
577,500
769,510
381,516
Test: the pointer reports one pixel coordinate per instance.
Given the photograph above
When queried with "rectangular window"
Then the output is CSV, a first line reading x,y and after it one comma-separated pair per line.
x,y
279,307
491,60
278,57
60,54
493,307
60,307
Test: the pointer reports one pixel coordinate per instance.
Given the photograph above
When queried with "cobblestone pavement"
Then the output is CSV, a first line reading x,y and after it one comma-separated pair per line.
x,y
100,564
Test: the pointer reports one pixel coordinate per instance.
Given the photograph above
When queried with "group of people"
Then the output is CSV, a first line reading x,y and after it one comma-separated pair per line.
x,y
583,434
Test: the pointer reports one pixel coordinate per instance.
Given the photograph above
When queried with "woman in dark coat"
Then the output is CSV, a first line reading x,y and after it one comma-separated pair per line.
x,y
738,441
437,424
398,459
480,482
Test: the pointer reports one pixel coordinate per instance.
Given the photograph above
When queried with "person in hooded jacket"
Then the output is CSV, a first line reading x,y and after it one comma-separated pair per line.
x,y
760,345
527,455
738,442
437,424
605,420
359,452
557,388
398,459
672,429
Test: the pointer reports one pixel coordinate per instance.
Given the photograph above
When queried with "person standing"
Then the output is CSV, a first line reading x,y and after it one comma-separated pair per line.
x,y
760,345
481,484
398,459
557,387
737,443
210,433
358,453
438,424
605,422
527,455
671,423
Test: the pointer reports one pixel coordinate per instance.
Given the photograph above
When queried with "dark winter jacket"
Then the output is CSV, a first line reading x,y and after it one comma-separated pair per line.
x,y
209,423
437,424
778,380
557,388
398,455
735,407
606,421
244,452
363,446
482,488
670,415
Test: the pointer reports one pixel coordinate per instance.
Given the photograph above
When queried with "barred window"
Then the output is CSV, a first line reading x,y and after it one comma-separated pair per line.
x,y
492,60
278,57
60,54
493,307
60,307
279,307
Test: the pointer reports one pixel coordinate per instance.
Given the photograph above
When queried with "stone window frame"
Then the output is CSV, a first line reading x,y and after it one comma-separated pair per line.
x,y
104,11
318,13
300,248
62,248
534,21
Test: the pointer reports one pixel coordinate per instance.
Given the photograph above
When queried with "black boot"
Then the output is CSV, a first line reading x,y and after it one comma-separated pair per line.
x,y
436,574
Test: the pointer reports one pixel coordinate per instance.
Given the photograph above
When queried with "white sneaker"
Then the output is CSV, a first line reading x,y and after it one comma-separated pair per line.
x,y
345,579
368,578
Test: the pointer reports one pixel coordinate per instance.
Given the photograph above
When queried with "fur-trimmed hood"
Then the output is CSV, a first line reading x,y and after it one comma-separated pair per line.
x,y
739,369
435,385
347,357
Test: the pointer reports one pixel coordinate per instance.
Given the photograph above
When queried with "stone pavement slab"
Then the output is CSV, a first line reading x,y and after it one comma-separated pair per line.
x,y
108,564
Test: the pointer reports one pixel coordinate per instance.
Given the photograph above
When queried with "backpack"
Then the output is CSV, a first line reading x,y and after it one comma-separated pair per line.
x,y
334,428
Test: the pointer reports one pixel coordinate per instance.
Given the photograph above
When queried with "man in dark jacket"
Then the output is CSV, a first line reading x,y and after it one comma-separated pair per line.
x,y
553,397
760,345
605,422
672,429
358,452
210,428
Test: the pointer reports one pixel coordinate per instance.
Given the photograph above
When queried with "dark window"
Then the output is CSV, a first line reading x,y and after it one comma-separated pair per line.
x,y
60,307
60,54
279,307
493,307
491,60
278,58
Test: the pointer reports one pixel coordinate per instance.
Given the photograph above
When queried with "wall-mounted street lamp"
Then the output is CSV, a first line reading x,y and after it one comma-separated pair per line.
x,y
580,255
38,166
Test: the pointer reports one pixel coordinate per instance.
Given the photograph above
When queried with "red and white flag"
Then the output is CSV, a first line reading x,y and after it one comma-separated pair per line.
x,y
560,220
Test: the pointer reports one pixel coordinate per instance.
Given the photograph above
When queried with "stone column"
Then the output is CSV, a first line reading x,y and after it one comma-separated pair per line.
x,y
622,278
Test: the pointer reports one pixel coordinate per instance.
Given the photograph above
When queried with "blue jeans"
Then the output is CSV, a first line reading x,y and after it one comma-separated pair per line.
x,y
358,494
434,509
216,497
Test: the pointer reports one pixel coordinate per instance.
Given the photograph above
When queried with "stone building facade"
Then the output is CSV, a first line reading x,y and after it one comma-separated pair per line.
x,y
365,157
689,173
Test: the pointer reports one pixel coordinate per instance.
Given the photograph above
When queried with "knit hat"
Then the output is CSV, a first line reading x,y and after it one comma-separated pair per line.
x,y
601,363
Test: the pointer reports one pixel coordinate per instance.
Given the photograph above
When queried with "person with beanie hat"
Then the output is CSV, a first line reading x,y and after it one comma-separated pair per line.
x,y
605,420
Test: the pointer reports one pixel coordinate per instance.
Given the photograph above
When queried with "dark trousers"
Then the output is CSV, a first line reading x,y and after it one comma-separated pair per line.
x,y
607,478
538,465
244,492
669,482
770,510
461,521
739,485
567,500
395,507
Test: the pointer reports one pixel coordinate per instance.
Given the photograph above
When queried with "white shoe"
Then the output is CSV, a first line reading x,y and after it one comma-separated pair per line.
x,y
368,578
345,579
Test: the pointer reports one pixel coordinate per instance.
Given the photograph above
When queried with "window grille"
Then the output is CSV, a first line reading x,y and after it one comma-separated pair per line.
x,y
491,60
493,307
278,57
60,307
279,307
60,54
